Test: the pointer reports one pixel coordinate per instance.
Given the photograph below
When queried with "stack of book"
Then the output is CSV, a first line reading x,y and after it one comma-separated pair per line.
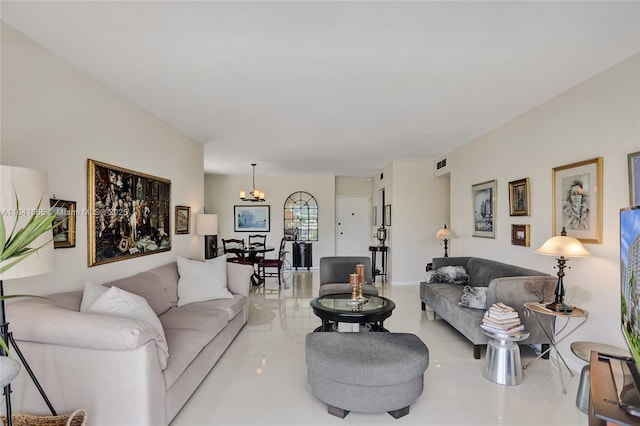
x,y
500,318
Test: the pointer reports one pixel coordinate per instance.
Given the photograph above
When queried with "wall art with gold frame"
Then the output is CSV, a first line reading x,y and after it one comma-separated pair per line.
x,y
64,235
577,200
129,213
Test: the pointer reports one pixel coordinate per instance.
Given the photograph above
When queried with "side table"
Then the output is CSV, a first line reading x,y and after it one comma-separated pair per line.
x,y
384,250
541,313
503,364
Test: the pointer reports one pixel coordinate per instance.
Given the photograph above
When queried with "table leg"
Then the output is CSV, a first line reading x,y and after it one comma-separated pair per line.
x,y
373,265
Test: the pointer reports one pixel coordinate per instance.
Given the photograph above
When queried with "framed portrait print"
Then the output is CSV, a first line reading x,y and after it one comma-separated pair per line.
x,y
387,215
182,217
375,216
129,213
484,197
64,234
519,198
634,178
520,235
251,218
577,200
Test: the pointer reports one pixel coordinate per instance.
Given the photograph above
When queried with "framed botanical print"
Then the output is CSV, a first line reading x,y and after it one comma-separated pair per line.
x,y
130,213
483,197
634,178
520,235
577,200
519,198
64,234
182,219
251,219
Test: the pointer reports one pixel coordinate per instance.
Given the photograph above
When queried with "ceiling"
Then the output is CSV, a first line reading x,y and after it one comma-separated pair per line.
x,y
340,88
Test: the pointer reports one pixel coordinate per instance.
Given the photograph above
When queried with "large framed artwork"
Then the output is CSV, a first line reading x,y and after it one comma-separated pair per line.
x,y
129,213
64,235
577,200
519,198
634,178
484,212
251,219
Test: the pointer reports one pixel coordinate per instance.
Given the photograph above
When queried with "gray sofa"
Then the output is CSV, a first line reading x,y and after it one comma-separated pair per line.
x,y
508,284
111,365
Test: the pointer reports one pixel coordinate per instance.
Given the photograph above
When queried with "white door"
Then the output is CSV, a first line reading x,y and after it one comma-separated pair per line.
x,y
353,226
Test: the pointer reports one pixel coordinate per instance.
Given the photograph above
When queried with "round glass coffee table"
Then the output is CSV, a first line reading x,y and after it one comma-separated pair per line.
x,y
337,308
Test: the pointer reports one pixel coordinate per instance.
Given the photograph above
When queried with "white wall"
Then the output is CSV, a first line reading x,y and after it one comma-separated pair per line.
x,y
222,193
599,118
54,118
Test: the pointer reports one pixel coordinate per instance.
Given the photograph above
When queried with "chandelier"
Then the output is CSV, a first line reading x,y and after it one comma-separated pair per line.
x,y
255,195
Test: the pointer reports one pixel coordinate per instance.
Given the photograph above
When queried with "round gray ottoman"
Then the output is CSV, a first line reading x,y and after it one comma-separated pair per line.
x,y
366,372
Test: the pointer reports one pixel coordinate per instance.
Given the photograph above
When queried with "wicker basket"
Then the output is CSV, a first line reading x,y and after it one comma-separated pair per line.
x,y
77,418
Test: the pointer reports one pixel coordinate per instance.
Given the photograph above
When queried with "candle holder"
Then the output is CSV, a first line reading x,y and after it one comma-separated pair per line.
x,y
353,281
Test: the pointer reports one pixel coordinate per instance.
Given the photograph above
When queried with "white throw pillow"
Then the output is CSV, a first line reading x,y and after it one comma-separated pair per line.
x,y
120,303
201,281
92,292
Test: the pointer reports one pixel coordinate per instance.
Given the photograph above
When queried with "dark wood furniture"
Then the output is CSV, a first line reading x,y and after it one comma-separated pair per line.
x,y
235,248
382,272
334,308
273,267
258,240
302,255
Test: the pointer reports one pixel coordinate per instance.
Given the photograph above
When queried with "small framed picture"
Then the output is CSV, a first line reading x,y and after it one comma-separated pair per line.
x,y
182,218
375,215
634,178
577,200
251,219
520,235
484,202
64,234
519,198
387,215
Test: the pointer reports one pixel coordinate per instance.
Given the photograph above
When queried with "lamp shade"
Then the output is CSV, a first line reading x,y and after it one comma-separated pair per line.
x,y
563,245
444,234
21,192
207,224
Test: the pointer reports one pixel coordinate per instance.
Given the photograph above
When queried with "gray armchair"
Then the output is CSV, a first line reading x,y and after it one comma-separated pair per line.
x,y
335,270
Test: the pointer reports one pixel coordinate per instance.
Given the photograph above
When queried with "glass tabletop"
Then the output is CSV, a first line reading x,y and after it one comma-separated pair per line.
x,y
342,303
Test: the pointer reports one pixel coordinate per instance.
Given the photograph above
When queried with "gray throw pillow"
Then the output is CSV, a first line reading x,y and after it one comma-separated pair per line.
x,y
448,274
474,297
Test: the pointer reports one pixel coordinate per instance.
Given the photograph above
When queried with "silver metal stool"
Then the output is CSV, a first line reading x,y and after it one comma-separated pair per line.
x,y
583,351
503,364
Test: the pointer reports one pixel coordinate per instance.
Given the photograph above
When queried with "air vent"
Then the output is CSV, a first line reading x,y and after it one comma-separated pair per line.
x,y
441,164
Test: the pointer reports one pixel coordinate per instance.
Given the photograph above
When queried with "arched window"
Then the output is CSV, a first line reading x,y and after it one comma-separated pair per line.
x,y
301,217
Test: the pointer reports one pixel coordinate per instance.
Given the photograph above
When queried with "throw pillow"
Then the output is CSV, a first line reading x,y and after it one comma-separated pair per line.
x,y
119,303
448,274
474,297
201,281
92,292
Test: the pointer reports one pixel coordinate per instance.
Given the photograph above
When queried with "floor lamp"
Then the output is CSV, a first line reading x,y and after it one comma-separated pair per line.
x,y
207,225
30,188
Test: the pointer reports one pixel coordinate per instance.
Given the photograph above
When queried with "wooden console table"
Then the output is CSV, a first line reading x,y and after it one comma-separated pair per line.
x,y
384,250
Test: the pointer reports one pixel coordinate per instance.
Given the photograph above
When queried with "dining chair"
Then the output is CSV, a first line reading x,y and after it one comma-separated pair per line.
x,y
276,266
234,249
258,240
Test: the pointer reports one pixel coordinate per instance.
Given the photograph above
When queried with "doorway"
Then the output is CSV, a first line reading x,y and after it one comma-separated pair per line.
x,y
353,226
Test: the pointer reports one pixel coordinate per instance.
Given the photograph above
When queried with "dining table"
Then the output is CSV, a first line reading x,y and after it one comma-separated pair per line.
x,y
249,254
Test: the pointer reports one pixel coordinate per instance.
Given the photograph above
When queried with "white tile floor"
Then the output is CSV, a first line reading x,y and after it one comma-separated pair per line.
x,y
261,379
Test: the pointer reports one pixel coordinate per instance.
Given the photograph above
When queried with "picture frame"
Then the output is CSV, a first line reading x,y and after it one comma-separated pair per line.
x,y
64,235
577,200
182,219
129,213
484,199
387,215
519,198
634,178
251,219
375,216
520,235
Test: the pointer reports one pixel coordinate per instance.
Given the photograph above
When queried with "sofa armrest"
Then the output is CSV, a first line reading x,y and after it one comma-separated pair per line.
x,y
239,278
42,321
516,291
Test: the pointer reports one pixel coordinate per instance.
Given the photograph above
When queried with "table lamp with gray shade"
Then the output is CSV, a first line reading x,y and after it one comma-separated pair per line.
x,y
26,249
445,235
562,246
207,225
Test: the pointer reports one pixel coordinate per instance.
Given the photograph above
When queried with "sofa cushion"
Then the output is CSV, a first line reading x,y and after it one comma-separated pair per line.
x,y
120,303
188,330
201,281
167,276
91,293
147,285
482,271
448,274
474,297
231,307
